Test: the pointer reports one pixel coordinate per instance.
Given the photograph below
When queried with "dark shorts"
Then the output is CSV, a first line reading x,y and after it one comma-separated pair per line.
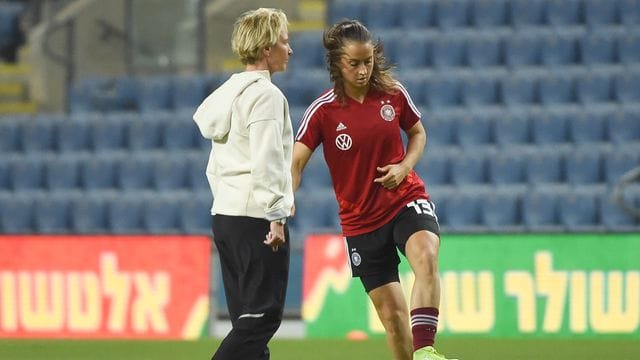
x,y
373,256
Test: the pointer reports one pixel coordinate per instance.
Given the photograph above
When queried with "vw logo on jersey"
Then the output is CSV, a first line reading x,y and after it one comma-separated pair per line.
x,y
387,112
356,259
343,142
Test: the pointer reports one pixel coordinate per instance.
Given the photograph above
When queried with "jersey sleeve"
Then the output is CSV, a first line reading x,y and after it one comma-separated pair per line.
x,y
410,114
310,129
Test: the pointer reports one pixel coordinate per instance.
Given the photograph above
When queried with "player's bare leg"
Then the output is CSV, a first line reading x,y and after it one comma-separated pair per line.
x,y
422,252
391,307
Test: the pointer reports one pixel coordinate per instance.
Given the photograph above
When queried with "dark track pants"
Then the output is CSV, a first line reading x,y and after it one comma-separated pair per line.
x,y
255,283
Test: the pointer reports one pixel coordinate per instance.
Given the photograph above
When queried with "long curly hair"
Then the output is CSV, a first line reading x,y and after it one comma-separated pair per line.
x,y
336,38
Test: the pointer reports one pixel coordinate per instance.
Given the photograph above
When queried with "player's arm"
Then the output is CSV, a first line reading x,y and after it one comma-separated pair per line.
x,y
392,175
301,155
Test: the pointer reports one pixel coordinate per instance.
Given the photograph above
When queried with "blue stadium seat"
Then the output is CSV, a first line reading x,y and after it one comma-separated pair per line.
x,y
618,162
416,14
381,14
415,49
179,133
73,135
316,211
614,217
601,12
98,172
124,213
26,173
307,50
579,211
38,134
16,213
540,211
143,134
443,92
629,49
433,168
526,13
195,214
108,134
523,50
550,128
627,87
189,91
543,167
62,172
5,166
452,13
518,89
507,168
624,127
440,130
350,9
501,212
469,168
564,12
316,173
588,127
598,49
160,214
557,88
559,49
105,94
156,93
461,212
197,164
630,12
583,166
480,91
488,13
594,87
51,213
473,131
88,214
134,172
10,135
415,86
512,129
449,51
486,51
169,172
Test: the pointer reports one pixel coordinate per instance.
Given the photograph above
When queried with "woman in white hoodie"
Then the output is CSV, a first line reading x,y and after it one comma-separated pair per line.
x,y
247,120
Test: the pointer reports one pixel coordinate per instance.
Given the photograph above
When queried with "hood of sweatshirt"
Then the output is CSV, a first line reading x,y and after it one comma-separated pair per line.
x,y
213,116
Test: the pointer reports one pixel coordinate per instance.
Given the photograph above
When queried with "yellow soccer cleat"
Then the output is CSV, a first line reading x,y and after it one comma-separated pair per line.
x,y
428,353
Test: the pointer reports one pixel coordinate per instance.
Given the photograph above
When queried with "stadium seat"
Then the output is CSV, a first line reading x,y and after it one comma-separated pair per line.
x,y
433,168
543,167
442,93
143,134
417,14
614,217
62,172
583,166
501,212
440,130
523,50
486,51
10,135
26,172
630,12
381,14
156,93
350,9
601,12
316,173
629,49
316,211
134,172
598,49
73,136
307,50
472,131
469,168
124,213
160,214
51,214
38,134
507,168
108,134
540,211
627,88
169,172
415,86
593,88
98,172
518,89
527,13
549,128
197,164
588,127
480,91
624,127
618,162
195,214
557,88
559,49
5,166
488,13
452,13
16,213
579,211
179,133
88,214
461,212
512,129
449,51
416,49
564,12
189,91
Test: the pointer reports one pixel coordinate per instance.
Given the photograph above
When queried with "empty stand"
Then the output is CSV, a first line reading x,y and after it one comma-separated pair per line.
x,y
51,213
579,211
88,213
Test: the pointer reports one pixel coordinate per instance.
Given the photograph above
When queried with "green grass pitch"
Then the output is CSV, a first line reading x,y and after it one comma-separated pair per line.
x,y
281,349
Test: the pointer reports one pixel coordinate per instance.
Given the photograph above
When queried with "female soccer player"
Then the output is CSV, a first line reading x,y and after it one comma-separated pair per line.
x,y
383,203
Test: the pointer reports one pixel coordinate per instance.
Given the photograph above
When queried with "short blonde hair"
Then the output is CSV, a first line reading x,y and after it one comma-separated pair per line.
x,y
256,29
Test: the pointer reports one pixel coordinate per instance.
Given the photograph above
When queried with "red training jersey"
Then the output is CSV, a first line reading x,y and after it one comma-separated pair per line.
x,y
356,139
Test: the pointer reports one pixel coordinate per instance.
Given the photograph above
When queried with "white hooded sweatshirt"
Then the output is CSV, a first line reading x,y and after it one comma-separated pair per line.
x,y
249,169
